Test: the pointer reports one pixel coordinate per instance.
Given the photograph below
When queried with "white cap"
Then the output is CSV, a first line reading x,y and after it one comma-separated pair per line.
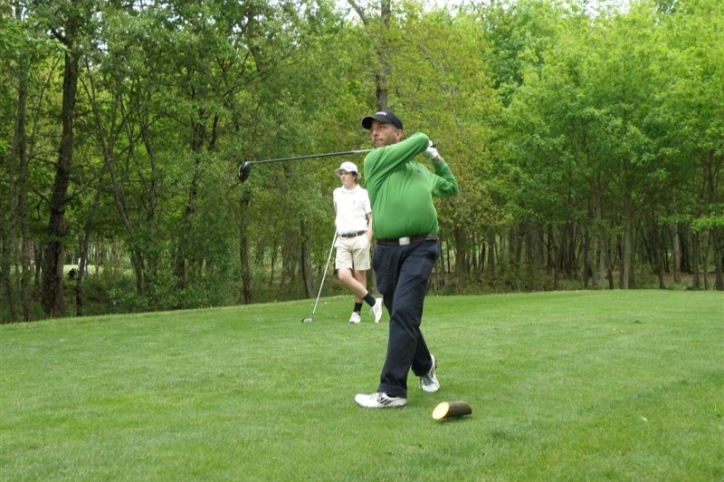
x,y
349,167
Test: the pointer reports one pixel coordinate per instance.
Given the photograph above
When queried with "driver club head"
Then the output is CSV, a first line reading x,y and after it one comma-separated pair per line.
x,y
244,171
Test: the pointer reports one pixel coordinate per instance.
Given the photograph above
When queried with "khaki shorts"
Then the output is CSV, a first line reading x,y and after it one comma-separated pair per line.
x,y
353,253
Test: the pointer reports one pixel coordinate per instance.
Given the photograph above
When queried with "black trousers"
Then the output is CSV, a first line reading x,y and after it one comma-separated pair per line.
x,y
401,274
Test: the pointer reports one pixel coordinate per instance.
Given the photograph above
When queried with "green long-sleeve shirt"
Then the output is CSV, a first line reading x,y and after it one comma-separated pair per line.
x,y
401,189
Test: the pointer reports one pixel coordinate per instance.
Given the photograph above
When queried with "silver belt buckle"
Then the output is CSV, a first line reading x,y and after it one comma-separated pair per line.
x,y
404,241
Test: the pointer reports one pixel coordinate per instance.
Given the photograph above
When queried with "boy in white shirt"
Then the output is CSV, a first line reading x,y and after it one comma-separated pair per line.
x,y
354,233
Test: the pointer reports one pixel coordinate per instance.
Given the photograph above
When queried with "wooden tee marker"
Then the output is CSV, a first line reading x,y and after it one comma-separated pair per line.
x,y
447,410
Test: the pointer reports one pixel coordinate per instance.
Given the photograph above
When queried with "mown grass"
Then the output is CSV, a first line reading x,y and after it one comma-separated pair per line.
x,y
565,386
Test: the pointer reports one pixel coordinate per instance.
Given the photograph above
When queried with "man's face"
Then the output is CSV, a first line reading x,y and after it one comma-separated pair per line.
x,y
384,134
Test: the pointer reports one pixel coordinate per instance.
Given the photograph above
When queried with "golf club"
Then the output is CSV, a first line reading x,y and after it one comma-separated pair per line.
x,y
310,318
245,168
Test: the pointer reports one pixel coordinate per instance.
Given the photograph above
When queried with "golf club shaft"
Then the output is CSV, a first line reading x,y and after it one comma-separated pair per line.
x,y
326,266
311,156
245,167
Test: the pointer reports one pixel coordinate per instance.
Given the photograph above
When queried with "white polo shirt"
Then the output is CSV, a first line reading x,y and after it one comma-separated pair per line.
x,y
353,206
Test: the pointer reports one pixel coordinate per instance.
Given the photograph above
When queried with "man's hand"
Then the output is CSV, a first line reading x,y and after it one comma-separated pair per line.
x,y
431,153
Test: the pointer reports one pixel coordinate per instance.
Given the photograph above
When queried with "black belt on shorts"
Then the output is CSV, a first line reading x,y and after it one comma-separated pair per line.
x,y
407,240
352,235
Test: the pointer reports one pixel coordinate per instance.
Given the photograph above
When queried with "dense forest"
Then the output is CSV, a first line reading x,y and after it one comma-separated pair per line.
x,y
587,139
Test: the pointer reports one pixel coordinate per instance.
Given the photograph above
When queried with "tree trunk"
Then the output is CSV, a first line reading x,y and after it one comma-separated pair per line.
x,y
627,253
675,247
461,260
247,293
8,216
52,280
716,242
7,242
606,261
82,272
491,253
602,262
26,273
705,258
695,260
383,73
568,251
657,252
685,248
587,268
20,152
305,263
290,250
553,257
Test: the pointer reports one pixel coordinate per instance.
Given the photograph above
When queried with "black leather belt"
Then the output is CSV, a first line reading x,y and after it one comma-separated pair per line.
x,y
352,235
407,240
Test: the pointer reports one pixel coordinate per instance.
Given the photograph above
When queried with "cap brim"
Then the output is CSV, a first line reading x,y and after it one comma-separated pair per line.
x,y
367,122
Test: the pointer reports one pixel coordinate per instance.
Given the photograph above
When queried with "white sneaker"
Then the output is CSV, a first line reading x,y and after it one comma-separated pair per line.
x,y
379,400
376,310
429,381
355,318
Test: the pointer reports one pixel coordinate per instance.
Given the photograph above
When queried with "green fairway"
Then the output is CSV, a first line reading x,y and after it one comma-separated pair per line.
x,y
564,386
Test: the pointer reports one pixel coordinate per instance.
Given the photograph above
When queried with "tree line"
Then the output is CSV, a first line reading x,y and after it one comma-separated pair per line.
x,y
588,142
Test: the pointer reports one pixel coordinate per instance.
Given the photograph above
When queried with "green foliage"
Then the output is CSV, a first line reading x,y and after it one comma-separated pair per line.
x,y
712,221
572,130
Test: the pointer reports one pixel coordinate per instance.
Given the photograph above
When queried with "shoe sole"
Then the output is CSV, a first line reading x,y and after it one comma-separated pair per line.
x,y
383,406
380,406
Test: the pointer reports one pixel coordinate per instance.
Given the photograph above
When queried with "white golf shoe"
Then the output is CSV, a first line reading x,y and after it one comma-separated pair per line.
x,y
355,318
376,310
428,382
379,400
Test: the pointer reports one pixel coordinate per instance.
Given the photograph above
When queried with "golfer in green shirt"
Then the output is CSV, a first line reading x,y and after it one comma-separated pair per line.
x,y
405,227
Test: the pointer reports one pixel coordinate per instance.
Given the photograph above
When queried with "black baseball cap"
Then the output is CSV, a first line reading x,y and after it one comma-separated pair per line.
x,y
382,116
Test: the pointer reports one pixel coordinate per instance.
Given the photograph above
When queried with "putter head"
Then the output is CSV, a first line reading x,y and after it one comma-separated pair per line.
x,y
244,171
308,319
